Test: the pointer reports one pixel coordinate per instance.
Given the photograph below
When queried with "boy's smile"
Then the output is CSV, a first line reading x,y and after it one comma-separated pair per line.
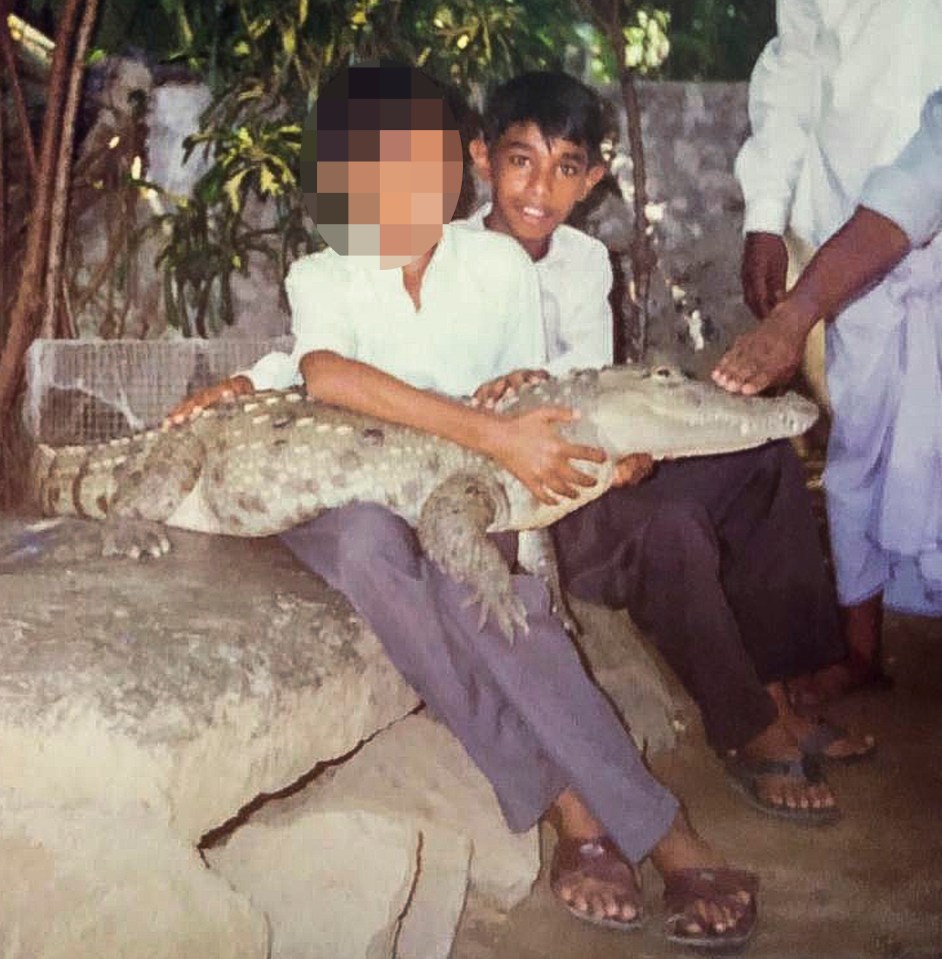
x,y
535,183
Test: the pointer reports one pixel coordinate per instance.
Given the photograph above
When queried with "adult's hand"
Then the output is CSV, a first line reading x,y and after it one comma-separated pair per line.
x,y
218,392
764,267
768,355
530,446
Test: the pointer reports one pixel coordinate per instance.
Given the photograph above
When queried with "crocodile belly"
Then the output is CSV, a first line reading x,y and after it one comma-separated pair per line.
x,y
194,513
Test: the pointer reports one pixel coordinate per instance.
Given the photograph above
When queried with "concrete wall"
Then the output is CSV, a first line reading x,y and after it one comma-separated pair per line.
x,y
692,132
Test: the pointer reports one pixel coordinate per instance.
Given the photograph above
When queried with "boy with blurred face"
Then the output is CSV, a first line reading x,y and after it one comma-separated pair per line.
x,y
401,344
718,557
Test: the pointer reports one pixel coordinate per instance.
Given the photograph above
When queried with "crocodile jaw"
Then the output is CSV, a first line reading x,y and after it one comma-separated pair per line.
x,y
664,413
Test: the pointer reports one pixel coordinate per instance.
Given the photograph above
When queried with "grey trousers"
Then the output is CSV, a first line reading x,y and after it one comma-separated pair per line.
x,y
719,558
527,714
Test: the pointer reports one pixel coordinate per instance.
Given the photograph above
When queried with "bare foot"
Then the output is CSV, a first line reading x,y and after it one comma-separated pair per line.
x,y
589,874
862,626
809,693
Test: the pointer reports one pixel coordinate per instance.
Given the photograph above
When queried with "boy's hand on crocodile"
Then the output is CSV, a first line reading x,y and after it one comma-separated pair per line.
x,y
531,447
224,390
490,393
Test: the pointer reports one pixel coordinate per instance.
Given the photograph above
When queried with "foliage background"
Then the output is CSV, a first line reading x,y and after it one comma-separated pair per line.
x,y
264,61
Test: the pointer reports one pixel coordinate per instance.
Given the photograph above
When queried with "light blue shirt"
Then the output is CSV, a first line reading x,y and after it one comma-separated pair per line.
x,y
909,190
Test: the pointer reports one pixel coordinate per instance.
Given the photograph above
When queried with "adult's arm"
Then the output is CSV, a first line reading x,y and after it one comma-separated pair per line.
x,y
783,104
909,190
901,207
861,253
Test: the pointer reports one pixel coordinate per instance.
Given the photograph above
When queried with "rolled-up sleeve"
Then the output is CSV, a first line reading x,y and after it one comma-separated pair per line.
x,y
783,103
909,190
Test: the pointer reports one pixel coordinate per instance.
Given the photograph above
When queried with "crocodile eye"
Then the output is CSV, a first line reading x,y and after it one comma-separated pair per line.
x,y
662,372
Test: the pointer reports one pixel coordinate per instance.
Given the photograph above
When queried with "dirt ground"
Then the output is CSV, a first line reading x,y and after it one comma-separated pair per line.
x,y
869,886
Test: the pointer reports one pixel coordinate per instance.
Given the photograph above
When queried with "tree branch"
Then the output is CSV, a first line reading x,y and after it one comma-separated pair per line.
x,y
28,300
9,62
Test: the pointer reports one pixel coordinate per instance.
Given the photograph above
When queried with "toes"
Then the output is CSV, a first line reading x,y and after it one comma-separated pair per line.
x,y
597,901
798,795
627,912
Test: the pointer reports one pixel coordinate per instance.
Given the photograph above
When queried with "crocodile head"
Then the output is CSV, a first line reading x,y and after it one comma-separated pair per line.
x,y
662,411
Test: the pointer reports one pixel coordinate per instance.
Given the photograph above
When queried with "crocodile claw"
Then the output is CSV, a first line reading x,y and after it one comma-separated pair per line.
x,y
134,539
508,611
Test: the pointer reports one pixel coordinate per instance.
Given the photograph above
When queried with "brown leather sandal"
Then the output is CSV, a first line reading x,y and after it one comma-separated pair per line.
x,y
721,886
599,860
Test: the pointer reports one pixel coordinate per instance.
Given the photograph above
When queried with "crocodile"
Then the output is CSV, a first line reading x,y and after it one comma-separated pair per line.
x,y
261,463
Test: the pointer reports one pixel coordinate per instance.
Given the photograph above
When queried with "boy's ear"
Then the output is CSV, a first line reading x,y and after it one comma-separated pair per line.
x,y
594,174
481,158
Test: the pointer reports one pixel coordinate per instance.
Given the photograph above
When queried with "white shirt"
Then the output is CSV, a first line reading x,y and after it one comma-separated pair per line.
x,y
479,316
835,94
909,190
575,277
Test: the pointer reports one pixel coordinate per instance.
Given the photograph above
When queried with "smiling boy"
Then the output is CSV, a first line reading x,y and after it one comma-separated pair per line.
x,y
717,557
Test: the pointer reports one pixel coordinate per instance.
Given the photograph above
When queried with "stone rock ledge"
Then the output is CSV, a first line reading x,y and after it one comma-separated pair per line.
x,y
187,685
144,705
80,882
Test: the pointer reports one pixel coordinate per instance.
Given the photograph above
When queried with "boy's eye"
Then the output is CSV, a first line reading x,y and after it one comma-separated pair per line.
x,y
570,170
518,159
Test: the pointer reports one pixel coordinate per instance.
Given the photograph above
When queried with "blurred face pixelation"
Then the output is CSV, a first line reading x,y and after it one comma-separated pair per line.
x,y
381,164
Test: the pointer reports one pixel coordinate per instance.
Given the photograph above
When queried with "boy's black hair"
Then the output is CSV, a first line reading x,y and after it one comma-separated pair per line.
x,y
557,103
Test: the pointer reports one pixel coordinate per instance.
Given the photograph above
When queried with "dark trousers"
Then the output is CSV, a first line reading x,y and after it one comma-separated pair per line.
x,y
527,714
719,558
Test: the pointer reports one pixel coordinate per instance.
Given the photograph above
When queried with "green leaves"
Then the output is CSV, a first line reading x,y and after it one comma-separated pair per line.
x,y
646,43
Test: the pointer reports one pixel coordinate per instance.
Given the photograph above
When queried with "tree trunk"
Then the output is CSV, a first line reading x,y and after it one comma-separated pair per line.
x,y
24,315
60,200
3,217
608,16
643,256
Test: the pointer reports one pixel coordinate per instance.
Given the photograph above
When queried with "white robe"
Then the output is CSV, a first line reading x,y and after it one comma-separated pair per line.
x,y
884,475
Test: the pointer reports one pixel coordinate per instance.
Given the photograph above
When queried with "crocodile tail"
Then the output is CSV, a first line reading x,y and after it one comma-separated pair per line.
x,y
41,462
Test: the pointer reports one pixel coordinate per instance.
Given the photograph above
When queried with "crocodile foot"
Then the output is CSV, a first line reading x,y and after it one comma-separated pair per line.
x,y
452,529
133,538
504,606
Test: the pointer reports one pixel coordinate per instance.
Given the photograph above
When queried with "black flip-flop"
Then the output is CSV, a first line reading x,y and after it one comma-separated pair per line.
x,y
744,775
